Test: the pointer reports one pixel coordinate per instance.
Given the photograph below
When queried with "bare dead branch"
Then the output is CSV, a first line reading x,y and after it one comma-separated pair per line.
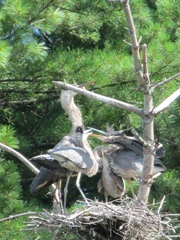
x,y
17,216
145,62
29,165
166,80
134,42
107,100
167,102
20,157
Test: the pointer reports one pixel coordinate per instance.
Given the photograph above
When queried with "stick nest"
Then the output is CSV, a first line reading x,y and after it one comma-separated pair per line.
x,y
125,219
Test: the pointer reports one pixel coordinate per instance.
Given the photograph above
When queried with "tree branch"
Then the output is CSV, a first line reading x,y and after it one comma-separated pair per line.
x,y
17,216
20,157
145,62
134,42
167,102
107,100
23,160
166,80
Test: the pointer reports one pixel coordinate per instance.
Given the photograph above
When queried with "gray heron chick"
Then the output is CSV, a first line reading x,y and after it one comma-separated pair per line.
x,y
110,184
126,160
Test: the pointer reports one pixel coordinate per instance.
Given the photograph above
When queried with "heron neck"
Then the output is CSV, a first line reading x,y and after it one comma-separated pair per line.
x,y
74,114
88,149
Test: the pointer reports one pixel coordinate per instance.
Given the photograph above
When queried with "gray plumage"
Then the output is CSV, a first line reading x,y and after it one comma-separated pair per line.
x,y
73,152
125,157
109,184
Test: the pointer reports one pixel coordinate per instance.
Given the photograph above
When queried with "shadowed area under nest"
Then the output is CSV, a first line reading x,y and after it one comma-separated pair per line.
x,y
126,219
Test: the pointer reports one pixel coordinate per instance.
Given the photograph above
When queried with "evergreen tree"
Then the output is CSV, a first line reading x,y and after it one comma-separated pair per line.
x,y
80,41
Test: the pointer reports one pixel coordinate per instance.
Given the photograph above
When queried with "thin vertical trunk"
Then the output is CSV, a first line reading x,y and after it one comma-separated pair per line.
x,y
148,135
142,75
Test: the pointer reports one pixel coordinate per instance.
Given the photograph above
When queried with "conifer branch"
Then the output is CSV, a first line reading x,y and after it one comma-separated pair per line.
x,y
107,100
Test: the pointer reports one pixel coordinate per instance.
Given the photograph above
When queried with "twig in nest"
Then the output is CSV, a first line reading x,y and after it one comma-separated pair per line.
x,y
129,219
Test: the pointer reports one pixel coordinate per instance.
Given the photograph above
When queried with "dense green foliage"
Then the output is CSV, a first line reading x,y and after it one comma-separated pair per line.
x,y
79,41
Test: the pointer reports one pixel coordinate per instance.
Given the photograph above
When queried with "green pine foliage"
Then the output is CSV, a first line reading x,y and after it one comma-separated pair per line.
x,y
10,190
7,136
79,41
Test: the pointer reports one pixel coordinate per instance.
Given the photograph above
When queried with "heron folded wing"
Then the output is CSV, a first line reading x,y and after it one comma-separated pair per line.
x,y
76,155
45,160
44,179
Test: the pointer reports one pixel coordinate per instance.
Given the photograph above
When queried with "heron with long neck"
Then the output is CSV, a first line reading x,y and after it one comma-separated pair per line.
x,y
73,152
78,158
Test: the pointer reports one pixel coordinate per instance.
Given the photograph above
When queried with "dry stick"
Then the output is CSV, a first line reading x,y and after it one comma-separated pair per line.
x,y
145,61
20,157
160,206
166,103
134,43
166,80
107,100
17,216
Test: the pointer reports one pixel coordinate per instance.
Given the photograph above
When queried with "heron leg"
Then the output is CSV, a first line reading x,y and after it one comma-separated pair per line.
x,y
66,189
106,196
79,188
130,184
57,195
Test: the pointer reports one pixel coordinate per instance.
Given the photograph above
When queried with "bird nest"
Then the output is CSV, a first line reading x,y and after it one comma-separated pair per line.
x,y
126,219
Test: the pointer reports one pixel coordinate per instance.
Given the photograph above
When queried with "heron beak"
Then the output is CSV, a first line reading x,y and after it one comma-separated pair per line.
x,y
98,131
100,137
85,84
88,131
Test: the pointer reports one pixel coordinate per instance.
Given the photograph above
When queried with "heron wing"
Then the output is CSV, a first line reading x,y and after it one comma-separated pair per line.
x,y
45,160
66,141
44,179
77,156
127,163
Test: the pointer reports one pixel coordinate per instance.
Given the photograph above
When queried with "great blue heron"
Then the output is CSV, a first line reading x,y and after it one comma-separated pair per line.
x,y
126,160
73,152
109,184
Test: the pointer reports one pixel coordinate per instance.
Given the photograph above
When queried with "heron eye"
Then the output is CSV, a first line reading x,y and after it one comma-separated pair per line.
x,y
79,130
